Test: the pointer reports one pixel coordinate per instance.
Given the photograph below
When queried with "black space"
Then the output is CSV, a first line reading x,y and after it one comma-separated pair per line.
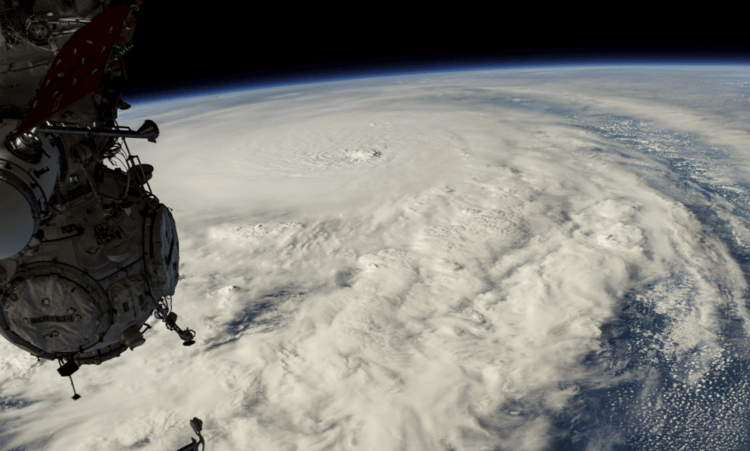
x,y
179,49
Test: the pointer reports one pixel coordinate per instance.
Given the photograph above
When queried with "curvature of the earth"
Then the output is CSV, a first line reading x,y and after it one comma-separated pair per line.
x,y
503,260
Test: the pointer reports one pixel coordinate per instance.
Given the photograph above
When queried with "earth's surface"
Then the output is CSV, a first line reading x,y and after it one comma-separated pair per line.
x,y
515,260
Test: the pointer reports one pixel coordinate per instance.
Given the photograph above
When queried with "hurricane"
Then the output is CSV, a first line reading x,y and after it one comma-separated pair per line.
x,y
547,258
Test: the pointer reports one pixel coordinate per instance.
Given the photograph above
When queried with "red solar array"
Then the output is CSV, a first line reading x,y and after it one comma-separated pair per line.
x,y
79,66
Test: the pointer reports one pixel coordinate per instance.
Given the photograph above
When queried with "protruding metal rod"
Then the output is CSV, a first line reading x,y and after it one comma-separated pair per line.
x,y
76,396
148,130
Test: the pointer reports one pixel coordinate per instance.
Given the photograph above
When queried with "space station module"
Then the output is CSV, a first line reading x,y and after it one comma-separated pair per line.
x,y
87,251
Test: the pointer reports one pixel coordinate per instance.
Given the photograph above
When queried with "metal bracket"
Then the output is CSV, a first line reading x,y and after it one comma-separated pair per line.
x,y
148,130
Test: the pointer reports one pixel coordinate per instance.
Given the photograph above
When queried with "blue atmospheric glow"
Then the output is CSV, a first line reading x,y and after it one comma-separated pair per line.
x,y
238,83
